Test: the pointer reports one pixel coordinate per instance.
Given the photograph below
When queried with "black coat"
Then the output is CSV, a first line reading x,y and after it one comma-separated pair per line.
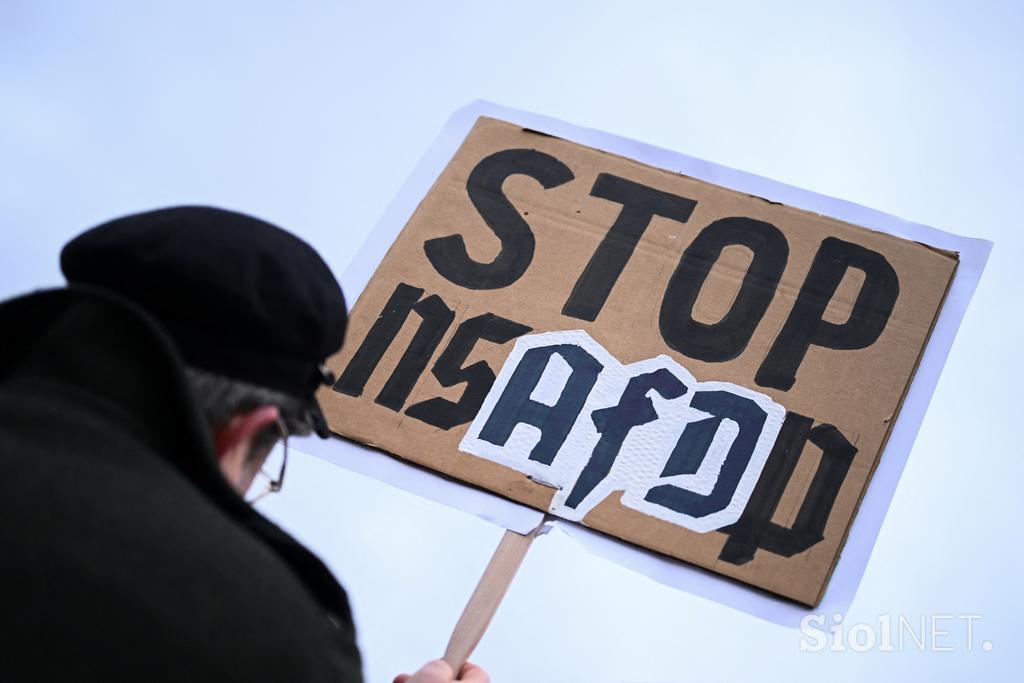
x,y
124,553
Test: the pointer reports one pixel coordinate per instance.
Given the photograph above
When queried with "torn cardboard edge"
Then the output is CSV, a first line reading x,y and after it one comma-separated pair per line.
x,y
974,253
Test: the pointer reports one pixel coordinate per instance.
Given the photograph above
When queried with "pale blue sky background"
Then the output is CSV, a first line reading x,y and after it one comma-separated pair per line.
x,y
312,114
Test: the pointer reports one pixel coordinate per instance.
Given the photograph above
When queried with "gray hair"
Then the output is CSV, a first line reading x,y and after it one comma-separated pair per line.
x,y
220,397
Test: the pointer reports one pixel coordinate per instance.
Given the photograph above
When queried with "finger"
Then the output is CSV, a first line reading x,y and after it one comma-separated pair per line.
x,y
436,671
401,678
471,673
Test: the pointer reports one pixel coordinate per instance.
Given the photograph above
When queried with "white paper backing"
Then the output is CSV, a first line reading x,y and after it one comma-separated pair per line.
x,y
861,539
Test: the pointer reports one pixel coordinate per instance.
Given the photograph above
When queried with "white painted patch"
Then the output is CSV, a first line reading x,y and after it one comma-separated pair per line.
x,y
552,382
644,452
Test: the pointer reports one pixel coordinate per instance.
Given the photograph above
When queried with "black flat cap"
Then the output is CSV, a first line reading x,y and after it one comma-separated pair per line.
x,y
239,296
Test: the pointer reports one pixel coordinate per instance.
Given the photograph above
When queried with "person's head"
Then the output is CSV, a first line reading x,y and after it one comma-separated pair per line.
x,y
245,422
253,310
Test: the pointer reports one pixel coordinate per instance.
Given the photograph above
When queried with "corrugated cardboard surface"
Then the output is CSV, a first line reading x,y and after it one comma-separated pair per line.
x,y
858,391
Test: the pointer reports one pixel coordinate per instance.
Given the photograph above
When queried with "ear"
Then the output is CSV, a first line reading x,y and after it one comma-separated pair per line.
x,y
233,443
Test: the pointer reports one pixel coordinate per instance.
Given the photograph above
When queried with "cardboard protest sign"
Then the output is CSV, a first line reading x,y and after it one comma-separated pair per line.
x,y
694,370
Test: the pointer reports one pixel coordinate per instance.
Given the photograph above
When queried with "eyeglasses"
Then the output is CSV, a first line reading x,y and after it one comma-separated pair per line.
x,y
274,484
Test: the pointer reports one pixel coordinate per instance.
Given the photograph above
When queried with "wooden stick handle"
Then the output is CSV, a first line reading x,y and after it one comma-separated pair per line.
x,y
487,596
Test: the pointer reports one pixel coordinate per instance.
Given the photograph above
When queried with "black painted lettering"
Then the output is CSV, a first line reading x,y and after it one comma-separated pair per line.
x,y
436,319
640,203
806,325
727,338
614,424
449,255
477,377
693,446
435,316
755,529
515,406
383,331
